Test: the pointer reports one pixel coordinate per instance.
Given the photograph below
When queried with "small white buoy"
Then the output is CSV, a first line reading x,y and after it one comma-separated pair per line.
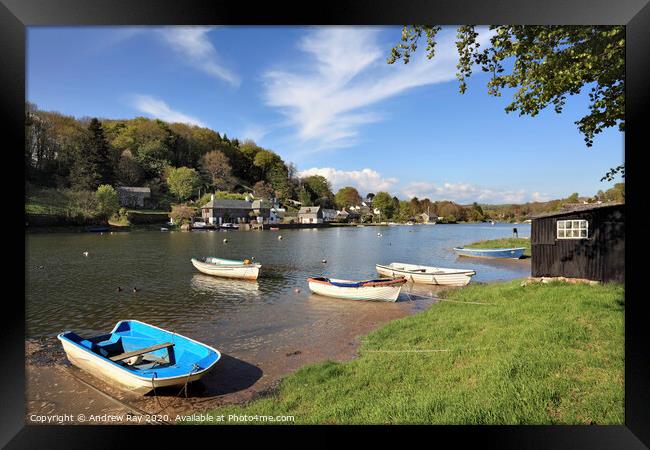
x,y
296,290
324,261
225,241
379,234
280,238
85,253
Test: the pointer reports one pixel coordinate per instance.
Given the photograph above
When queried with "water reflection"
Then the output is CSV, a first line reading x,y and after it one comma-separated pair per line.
x,y
66,290
217,287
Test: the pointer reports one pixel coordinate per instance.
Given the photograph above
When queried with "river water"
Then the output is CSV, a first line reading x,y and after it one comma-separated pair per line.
x,y
69,291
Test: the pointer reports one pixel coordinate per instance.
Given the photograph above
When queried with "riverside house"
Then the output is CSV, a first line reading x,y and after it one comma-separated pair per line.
x,y
134,197
222,210
329,214
580,241
310,214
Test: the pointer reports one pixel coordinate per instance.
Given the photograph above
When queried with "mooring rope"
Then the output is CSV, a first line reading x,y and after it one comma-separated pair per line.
x,y
427,350
195,367
468,303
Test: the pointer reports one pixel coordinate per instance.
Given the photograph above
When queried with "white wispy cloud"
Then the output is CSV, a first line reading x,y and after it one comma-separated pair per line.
x,y
328,98
192,45
365,180
255,132
158,109
468,193
369,180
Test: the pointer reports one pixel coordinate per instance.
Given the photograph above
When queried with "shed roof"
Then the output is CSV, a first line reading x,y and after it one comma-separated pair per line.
x,y
261,204
227,203
576,207
309,210
134,189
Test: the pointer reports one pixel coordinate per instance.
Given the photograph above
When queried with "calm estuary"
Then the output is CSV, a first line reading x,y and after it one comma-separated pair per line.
x,y
69,291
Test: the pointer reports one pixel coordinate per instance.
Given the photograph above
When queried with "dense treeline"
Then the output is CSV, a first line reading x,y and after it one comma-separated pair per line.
x,y
180,162
81,154
392,208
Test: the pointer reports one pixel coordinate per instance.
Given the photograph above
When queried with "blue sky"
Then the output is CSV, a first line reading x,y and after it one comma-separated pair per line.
x,y
325,99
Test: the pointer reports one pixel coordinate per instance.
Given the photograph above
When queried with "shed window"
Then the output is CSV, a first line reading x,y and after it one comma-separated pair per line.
x,y
572,229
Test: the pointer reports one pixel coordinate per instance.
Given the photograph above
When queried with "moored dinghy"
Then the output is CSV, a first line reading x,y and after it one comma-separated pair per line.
x,y
227,268
140,357
427,275
515,252
382,290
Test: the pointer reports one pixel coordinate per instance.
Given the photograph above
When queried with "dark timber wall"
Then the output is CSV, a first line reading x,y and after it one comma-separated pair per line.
x,y
599,257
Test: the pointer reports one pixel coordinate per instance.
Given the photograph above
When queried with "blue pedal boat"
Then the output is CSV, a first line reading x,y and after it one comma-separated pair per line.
x,y
515,252
140,357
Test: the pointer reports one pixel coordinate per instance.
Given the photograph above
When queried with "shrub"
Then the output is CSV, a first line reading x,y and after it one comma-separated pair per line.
x,y
107,201
81,204
182,214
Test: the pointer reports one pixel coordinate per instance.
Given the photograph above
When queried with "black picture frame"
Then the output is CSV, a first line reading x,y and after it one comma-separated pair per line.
x,y
16,15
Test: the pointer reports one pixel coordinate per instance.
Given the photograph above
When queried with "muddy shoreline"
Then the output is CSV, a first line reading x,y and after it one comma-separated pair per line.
x,y
61,393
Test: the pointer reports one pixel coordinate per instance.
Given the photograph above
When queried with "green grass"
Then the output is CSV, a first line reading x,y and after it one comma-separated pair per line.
x,y
47,201
148,211
540,354
503,243
61,201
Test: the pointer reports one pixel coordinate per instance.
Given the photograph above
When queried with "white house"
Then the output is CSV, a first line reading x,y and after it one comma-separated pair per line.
x,y
310,214
277,214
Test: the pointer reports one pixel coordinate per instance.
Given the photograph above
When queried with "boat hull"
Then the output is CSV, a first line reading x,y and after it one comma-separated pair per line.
x,y
114,374
388,293
434,277
509,253
242,271
110,374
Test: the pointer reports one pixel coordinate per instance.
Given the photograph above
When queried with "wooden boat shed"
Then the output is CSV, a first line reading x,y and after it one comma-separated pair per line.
x,y
580,241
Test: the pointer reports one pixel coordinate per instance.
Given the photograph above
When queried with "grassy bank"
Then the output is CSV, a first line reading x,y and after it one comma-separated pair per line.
x,y
48,201
69,210
503,243
540,354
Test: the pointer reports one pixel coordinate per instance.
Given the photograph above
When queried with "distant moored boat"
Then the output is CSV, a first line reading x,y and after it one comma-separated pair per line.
x,y
515,252
98,229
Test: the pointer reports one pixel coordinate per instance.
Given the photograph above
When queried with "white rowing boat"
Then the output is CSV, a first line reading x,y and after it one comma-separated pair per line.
x,y
381,290
427,275
227,268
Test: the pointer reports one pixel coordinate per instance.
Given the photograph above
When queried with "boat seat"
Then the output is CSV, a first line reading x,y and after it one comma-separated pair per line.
x,y
168,345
